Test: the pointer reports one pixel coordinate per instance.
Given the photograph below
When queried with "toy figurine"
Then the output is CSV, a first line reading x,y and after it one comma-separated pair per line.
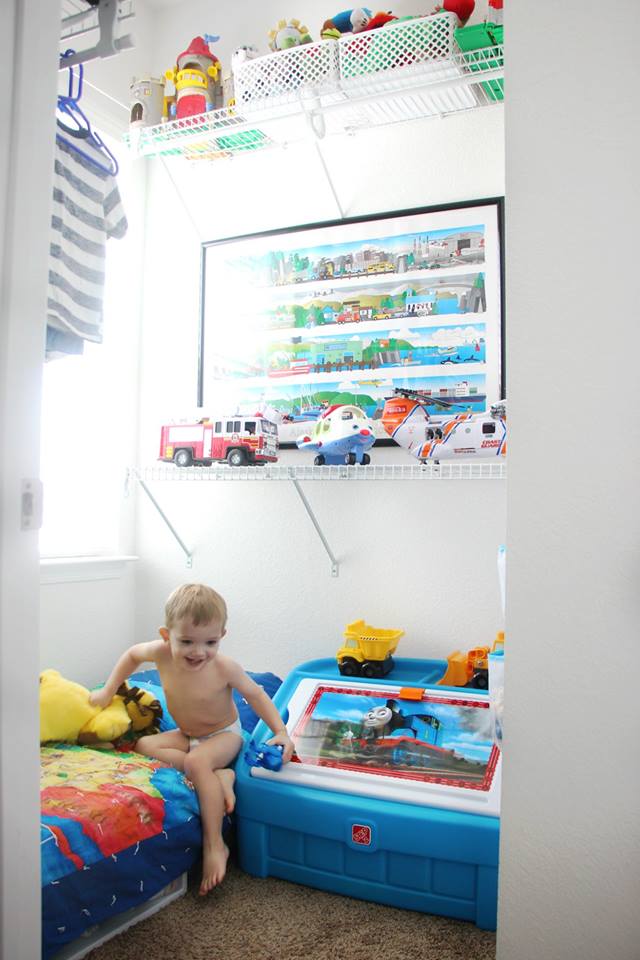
x,y
348,21
287,34
367,650
196,77
460,436
342,434
381,20
264,755
146,102
462,8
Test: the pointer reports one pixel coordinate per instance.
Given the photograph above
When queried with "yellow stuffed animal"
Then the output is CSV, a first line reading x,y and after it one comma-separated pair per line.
x,y
66,714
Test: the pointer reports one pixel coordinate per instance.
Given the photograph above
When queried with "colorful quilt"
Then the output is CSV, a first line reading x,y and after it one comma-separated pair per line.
x,y
116,828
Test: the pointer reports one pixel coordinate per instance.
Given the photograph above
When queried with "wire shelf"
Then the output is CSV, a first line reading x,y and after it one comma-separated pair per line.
x,y
459,82
469,470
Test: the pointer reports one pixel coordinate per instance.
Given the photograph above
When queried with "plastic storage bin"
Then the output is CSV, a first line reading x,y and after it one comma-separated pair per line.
x,y
403,61
308,70
397,46
478,37
401,848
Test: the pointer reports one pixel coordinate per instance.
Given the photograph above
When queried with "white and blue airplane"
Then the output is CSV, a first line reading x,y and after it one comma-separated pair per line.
x,y
342,434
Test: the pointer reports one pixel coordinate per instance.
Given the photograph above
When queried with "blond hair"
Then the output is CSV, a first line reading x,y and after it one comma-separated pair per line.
x,y
201,604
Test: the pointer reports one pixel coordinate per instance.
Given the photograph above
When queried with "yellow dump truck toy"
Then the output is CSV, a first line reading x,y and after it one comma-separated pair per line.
x,y
367,650
471,669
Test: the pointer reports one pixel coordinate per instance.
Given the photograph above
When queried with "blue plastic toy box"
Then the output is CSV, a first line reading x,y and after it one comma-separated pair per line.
x,y
393,795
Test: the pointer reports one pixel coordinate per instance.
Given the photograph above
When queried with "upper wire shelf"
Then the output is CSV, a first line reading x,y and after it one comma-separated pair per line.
x,y
469,470
101,22
460,82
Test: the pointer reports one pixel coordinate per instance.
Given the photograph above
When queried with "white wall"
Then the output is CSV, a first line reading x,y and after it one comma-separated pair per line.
x,y
570,862
421,556
27,36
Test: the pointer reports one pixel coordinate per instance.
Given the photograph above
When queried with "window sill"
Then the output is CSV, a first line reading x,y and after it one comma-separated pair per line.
x,y
82,569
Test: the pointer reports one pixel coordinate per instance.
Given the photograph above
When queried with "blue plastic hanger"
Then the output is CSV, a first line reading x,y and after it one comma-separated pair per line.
x,y
74,123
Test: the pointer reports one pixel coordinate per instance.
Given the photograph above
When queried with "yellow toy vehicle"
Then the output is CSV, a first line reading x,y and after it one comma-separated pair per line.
x,y
367,650
471,669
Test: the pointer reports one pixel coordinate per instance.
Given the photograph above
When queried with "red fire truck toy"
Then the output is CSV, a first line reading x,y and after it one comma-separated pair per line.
x,y
238,440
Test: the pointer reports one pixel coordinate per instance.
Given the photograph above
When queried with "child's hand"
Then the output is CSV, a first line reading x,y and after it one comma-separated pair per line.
x,y
285,741
100,698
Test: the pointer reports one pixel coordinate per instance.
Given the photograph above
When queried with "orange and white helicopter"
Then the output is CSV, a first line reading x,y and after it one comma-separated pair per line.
x,y
457,437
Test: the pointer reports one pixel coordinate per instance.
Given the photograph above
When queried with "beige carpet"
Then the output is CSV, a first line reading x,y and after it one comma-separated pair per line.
x,y
252,919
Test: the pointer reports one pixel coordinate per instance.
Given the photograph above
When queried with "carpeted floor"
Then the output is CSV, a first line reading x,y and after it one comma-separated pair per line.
x,y
252,919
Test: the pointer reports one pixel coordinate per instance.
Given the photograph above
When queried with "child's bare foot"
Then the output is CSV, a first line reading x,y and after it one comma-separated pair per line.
x,y
227,779
214,866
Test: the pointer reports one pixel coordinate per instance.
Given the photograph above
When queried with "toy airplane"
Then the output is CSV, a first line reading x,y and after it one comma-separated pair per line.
x,y
342,434
460,436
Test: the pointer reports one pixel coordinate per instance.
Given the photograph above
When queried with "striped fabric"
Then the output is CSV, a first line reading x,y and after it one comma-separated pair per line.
x,y
86,211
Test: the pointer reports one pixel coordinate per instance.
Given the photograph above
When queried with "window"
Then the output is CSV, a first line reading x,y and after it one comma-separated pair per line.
x,y
218,426
88,403
488,428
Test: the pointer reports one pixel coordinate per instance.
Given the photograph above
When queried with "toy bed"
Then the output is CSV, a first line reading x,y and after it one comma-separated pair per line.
x,y
393,795
118,834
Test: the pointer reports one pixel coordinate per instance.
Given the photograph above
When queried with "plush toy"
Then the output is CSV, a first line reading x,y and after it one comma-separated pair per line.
x,y
66,714
381,19
462,8
288,33
347,21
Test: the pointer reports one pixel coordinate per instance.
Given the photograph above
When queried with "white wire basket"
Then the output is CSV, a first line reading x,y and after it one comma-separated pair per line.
x,y
308,70
398,49
401,56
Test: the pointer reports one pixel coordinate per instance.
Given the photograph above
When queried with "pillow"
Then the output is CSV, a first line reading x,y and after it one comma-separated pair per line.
x,y
150,680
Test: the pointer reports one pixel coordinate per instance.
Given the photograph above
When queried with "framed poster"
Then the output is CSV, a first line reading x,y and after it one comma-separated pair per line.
x,y
346,312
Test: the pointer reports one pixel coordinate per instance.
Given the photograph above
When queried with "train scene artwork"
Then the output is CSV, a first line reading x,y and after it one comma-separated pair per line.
x,y
447,740
297,322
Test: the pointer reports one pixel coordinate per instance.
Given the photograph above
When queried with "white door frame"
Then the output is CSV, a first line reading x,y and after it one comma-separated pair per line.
x,y
29,31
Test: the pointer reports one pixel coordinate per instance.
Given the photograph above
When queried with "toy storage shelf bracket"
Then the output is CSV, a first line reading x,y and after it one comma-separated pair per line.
x,y
335,566
294,474
104,19
188,554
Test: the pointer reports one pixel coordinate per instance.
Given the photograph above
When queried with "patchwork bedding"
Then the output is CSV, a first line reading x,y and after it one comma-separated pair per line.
x,y
116,828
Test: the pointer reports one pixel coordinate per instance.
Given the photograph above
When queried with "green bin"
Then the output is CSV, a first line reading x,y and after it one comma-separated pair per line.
x,y
477,37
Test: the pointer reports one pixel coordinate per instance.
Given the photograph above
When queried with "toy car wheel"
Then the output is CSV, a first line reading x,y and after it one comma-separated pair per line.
x,y
319,460
350,458
370,670
349,667
480,680
236,458
366,459
183,458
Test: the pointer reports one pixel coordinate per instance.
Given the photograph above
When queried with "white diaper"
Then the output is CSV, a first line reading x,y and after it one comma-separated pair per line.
x,y
235,727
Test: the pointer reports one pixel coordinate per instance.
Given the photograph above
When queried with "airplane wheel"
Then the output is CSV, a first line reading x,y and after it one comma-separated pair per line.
x,y
319,460
366,459
350,458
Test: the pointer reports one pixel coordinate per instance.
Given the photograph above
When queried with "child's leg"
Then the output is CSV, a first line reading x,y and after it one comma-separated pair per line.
x,y
200,766
171,746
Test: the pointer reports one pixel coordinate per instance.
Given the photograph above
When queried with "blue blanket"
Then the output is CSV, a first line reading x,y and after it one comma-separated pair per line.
x,y
115,827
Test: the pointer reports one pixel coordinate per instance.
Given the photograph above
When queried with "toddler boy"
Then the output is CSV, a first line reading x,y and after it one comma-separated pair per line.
x,y
198,682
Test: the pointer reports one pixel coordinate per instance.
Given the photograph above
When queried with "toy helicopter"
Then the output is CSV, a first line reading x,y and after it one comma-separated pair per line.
x,y
460,436
342,434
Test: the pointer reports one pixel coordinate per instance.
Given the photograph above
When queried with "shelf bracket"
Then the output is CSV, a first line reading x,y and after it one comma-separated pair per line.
x,y
335,566
186,550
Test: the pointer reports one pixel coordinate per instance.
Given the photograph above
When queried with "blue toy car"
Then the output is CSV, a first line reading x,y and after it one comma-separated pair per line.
x,y
264,755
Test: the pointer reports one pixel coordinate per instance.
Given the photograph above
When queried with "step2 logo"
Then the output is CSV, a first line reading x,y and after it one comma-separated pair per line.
x,y
361,834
